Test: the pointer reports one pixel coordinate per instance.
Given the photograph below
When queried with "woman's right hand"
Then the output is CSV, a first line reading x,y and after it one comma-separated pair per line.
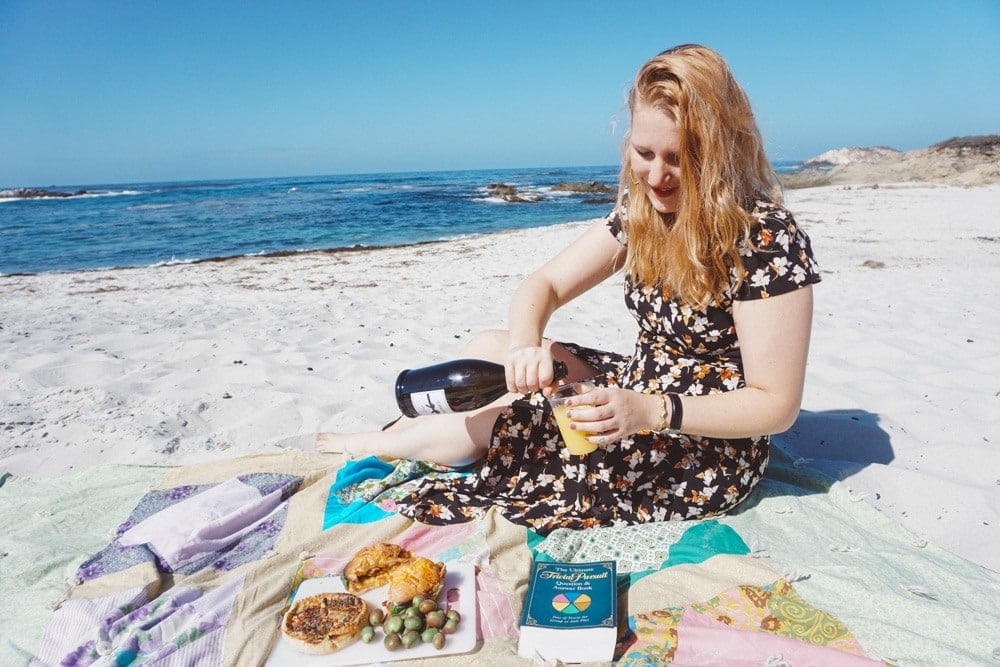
x,y
528,368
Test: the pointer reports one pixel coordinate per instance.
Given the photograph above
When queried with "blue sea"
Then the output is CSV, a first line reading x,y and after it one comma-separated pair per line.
x,y
144,224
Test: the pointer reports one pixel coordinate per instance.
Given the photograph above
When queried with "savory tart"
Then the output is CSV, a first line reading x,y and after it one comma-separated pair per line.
x,y
370,567
325,622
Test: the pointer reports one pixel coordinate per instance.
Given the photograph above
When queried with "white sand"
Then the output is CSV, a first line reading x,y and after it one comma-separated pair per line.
x,y
186,363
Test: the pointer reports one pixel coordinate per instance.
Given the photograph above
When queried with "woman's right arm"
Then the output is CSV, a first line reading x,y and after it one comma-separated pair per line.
x,y
586,262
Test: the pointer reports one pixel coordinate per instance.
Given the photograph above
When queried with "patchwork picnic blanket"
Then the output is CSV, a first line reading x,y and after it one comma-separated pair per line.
x,y
194,565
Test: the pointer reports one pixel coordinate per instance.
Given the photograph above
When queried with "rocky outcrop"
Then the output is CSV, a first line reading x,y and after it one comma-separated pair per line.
x,y
603,194
508,193
35,193
973,160
986,143
840,156
586,187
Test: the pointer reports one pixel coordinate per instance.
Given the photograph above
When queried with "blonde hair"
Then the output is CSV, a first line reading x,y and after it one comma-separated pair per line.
x,y
723,169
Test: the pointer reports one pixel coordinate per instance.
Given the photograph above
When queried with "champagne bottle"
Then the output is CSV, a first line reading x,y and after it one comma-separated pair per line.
x,y
454,386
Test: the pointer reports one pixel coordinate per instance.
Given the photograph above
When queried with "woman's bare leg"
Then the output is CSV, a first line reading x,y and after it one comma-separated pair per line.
x,y
452,439
456,439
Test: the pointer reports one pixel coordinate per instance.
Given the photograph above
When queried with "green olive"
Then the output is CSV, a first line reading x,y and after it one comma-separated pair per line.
x,y
413,623
453,615
436,619
416,601
393,624
367,634
376,617
412,612
429,634
411,638
450,627
438,641
392,641
427,606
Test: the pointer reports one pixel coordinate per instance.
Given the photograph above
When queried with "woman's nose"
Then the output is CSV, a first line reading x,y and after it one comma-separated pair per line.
x,y
658,174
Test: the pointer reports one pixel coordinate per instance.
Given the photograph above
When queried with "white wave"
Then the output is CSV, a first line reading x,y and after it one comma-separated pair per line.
x,y
173,261
110,193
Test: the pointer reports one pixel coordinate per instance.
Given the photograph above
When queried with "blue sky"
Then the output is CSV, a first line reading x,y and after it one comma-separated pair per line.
x,y
116,92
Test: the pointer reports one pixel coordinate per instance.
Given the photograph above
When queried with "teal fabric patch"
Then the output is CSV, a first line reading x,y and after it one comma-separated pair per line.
x,y
534,539
642,549
125,658
367,490
704,540
699,543
340,508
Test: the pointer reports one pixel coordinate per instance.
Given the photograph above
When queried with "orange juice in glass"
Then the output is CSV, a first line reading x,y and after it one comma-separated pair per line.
x,y
576,441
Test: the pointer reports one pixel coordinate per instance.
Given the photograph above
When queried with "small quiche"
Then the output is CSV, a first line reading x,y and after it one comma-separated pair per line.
x,y
325,622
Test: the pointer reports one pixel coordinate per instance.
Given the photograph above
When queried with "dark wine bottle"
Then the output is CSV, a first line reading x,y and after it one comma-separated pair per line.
x,y
454,386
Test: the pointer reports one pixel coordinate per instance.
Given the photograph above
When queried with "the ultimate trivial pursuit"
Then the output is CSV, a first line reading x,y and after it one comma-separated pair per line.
x,y
570,612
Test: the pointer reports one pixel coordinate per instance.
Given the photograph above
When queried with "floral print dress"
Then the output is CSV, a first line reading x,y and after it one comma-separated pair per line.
x,y
530,477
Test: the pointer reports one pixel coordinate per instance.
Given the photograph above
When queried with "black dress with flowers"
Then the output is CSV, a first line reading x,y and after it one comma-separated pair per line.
x,y
650,476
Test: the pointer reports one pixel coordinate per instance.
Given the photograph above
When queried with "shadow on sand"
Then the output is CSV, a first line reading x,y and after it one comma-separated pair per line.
x,y
821,448
849,436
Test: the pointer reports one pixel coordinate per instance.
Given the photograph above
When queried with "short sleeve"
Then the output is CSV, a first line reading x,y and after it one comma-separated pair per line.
x,y
616,222
778,256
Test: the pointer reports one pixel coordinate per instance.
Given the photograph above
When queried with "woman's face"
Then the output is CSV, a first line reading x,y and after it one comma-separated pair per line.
x,y
654,143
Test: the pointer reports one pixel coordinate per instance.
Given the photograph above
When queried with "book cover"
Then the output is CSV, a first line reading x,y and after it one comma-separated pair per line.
x,y
570,612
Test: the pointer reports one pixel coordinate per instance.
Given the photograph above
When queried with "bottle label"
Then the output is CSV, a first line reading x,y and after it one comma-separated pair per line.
x,y
430,402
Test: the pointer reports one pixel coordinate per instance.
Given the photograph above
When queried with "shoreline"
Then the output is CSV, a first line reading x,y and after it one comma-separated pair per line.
x,y
184,363
261,255
962,161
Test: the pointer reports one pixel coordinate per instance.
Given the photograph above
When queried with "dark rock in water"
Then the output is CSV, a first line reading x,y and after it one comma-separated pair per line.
x,y
587,187
508,193
36,193
501,189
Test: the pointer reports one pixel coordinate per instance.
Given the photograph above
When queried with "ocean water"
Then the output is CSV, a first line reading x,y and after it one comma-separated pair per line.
x,y
146,224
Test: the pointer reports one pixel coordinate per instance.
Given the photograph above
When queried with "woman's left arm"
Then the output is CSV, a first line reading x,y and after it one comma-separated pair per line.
x,y
774,342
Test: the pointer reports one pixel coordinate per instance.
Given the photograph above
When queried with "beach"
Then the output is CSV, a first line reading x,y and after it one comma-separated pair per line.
x,y
178,364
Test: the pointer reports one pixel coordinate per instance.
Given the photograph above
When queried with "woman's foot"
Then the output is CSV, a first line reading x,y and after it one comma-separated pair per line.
x,y
334,443
348,444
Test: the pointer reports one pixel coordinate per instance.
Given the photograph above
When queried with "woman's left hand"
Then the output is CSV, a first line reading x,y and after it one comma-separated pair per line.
x,y
612,413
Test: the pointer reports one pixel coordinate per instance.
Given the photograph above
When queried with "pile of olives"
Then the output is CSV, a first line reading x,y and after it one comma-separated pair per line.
x,y
408,625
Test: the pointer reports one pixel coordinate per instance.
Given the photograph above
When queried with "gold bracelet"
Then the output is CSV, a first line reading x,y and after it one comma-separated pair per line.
x,y
664,420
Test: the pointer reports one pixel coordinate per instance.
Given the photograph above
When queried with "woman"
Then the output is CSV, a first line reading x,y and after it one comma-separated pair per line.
x,y
719,278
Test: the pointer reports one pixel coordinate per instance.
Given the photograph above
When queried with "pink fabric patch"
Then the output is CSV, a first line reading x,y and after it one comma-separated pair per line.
x,y
701,640
465,543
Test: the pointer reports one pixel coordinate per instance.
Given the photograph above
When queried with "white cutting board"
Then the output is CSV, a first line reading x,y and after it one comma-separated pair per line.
x,y
458,592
